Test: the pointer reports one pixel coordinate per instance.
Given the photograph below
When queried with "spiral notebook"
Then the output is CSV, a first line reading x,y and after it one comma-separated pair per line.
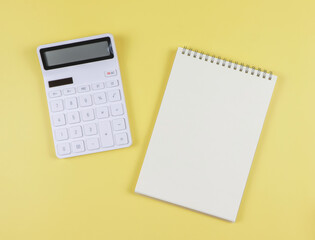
x,y
206,134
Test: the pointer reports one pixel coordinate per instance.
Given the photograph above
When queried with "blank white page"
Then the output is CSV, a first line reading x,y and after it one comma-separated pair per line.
x,y
205,135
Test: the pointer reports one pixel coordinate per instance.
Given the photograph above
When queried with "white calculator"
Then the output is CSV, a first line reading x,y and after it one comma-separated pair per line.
x,y
85,95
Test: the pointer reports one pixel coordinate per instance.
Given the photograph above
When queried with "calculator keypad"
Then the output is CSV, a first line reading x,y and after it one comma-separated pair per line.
x,y
63,148
111,83
89,118
56,93
68,91
56,106
71,103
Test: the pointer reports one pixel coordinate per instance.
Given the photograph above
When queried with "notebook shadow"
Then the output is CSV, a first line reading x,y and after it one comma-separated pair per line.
x,y
190,210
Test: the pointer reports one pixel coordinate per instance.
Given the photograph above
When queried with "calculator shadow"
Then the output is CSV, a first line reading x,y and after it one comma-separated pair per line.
x,y
167,71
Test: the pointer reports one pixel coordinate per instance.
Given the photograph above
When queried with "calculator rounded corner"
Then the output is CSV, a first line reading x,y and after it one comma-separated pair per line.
x,y
59,157
130,143
38,48
110,35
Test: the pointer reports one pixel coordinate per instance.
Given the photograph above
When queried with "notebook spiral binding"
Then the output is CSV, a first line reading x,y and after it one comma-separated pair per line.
x,y
229,63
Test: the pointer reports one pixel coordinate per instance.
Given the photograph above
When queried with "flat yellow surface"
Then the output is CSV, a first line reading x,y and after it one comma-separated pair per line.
x,y
92,197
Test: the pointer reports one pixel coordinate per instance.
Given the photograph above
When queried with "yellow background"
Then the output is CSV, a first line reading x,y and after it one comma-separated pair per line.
x,y
92,197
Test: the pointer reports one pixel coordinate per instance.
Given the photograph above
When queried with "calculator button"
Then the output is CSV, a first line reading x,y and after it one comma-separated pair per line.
x,y
61,134
78,146
110,73
117,109
102,112
92,144
63,148
69,91
73,117
56,93
84,88
85,100
90,129
97,86
121,138
99,98
114,95
59,120
71,103
87,115
56,106
75,132
111,83
119,124
106,134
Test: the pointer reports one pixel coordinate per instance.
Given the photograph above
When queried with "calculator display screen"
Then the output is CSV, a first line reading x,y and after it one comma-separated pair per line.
x,y
76,53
